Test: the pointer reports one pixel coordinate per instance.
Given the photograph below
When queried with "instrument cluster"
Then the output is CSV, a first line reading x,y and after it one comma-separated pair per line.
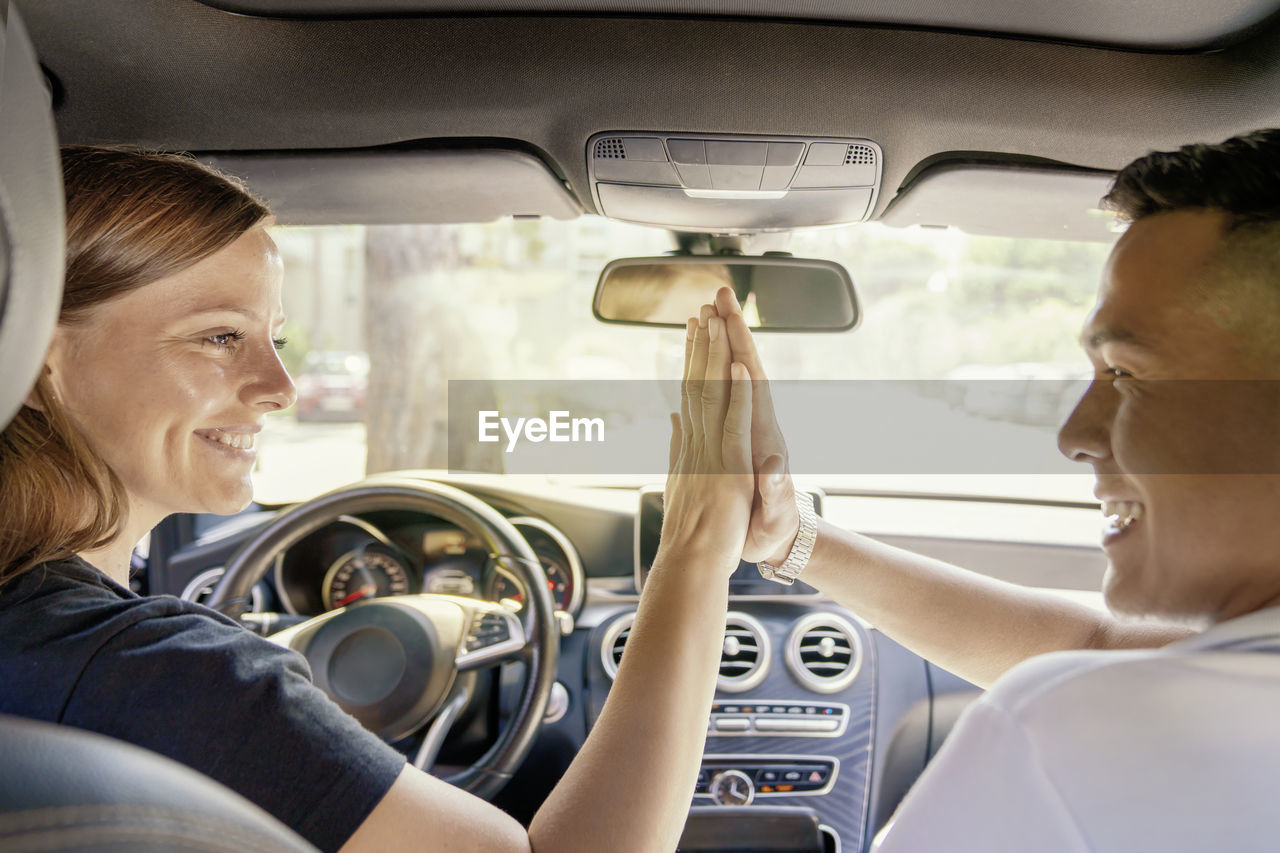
x,y
397,553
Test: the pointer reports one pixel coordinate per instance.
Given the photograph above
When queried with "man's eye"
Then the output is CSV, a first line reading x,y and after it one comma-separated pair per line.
x,y
1119,373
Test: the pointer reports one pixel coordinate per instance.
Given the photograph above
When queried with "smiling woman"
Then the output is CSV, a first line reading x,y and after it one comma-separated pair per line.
x,y
161,372
95,450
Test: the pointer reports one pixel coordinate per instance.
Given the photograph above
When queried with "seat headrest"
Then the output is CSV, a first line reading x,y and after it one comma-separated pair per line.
x,y
31,215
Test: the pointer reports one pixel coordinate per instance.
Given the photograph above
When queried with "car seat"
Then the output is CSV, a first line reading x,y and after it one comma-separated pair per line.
x,y
64,789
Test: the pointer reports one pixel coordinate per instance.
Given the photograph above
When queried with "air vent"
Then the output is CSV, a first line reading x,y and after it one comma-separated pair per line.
x,y
611,148
615,640
860,155
824,652
744,659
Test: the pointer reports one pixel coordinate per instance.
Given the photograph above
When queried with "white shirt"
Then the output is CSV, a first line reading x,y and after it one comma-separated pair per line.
x,y
1173,749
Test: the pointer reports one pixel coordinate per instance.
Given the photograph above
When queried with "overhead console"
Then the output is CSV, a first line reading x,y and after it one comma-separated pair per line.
x,y
727,183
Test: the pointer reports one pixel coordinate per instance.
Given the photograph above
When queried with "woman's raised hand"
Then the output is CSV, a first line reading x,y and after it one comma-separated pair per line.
x,y
774,519
710,484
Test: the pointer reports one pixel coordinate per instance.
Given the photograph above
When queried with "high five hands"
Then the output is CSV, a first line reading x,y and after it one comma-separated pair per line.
x,y
728,428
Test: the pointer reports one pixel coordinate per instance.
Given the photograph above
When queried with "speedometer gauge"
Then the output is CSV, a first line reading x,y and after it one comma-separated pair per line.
x,y
559,584
361,574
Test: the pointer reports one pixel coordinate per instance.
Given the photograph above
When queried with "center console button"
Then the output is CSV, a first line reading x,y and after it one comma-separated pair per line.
x,y
733,724
802,724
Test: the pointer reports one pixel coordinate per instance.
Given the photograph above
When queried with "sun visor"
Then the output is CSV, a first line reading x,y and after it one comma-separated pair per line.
x,y
401,187
1008,201
732,184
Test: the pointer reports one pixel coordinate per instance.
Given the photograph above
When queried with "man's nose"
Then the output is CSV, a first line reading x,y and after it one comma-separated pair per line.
x,y
1086,436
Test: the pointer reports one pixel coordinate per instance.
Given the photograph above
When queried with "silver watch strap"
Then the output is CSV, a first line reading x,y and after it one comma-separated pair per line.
x,y
801,550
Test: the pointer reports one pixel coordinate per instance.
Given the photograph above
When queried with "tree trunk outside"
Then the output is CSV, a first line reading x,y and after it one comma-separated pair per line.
x,y
418,336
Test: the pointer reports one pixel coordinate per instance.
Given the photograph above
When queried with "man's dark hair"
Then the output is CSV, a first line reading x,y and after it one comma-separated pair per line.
x,y
1240,177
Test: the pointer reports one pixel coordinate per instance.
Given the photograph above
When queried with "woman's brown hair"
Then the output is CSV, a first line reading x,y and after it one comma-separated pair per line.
x,y
132,218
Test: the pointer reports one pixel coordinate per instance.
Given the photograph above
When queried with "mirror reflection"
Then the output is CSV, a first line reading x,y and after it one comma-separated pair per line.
x,y
776,294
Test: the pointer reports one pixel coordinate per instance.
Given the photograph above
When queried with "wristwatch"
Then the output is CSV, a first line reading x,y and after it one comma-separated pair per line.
x,y
801,550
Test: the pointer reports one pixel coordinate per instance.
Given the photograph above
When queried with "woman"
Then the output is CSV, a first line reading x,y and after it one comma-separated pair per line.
x,y
162,368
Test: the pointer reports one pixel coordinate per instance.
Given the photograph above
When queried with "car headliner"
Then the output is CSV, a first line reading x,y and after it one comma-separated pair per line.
x,y
179,74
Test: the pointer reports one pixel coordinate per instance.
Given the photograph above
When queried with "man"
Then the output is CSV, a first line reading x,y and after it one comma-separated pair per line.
x,y
1135,747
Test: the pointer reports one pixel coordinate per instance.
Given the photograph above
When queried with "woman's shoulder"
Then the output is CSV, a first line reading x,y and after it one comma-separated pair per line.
x,y
59,620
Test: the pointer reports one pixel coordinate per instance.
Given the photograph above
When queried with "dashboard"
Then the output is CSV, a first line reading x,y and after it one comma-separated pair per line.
x,y
814,709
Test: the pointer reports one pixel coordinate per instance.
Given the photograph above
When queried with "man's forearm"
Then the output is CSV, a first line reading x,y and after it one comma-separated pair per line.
x,y
975,626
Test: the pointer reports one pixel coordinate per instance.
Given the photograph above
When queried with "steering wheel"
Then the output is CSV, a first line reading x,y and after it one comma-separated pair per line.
x,y
393,662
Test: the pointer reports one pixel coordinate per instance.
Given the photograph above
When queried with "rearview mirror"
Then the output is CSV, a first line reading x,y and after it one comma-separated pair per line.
x,y
777,293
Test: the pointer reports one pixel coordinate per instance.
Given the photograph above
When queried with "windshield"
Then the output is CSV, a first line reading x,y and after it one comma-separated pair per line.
x,y
382,318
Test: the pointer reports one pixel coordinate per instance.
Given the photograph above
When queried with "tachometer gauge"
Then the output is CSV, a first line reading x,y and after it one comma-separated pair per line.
x,y
361,574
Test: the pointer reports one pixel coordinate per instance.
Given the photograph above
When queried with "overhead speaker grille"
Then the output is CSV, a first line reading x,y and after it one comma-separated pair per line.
x,y
611,149
744,656
860,155
824,652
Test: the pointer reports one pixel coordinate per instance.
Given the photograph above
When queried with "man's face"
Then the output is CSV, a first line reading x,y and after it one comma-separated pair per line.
x,y
1180,425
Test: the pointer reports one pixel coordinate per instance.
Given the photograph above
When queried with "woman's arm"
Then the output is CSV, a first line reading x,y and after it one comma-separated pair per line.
x,y
968,623
630,786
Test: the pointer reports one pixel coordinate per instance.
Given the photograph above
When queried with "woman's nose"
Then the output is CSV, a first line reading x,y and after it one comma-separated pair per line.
x,y
271,385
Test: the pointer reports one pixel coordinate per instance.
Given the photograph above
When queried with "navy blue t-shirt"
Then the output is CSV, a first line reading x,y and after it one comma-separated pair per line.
x,y
181,680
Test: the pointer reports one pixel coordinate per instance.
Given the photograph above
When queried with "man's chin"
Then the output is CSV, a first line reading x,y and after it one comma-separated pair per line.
x,y
1129,601
1123,597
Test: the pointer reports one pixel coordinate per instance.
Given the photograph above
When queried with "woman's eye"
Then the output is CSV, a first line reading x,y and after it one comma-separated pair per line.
x,y
279,343
225,340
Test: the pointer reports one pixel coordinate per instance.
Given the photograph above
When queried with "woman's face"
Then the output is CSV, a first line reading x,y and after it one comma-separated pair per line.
x,y
170,383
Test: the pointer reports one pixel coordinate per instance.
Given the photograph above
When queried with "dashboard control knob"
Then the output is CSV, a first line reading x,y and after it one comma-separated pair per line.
x,y
732,788
557,704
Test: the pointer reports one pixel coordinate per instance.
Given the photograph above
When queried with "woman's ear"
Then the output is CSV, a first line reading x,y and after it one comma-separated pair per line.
x,y
33,400
43,388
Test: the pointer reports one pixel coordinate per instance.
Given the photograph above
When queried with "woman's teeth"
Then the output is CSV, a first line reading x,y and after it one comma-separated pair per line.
x,y
1121,514
238,440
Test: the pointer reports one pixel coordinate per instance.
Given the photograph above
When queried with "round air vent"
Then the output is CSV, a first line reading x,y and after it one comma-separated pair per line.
x,y
824,652
860,155
744,656
201,587
615,640
611,148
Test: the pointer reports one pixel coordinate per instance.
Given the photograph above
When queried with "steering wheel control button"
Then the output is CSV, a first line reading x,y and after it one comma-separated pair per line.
x,y
487,629
732,788
491,636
